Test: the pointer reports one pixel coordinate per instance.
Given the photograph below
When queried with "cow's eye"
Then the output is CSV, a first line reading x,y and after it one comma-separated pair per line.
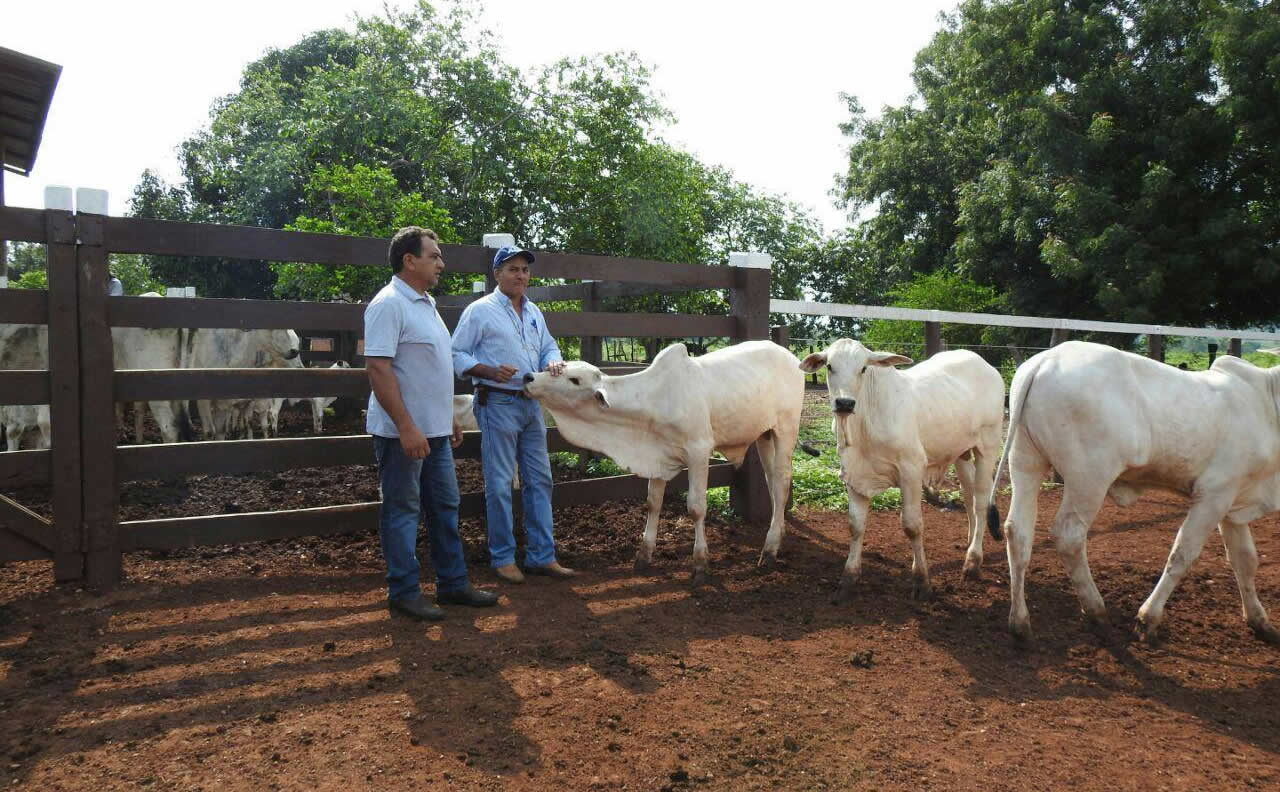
x,y
831,368
574,380
864,370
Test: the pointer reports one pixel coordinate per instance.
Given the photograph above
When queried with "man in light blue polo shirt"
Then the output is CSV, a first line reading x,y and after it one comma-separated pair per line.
x,y
408,357
500,338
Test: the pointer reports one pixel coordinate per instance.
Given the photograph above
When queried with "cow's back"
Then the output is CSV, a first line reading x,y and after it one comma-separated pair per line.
x,y
1097,410
749,388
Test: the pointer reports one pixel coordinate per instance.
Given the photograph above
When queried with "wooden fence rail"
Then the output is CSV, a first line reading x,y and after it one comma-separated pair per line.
x,y
85,467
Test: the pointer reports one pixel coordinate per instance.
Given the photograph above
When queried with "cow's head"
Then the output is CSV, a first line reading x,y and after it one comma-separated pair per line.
x,y
580,386
280,348
847,361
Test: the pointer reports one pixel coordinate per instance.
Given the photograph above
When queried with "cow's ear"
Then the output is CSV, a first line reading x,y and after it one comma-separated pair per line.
x,y
888,359
602,396
814,362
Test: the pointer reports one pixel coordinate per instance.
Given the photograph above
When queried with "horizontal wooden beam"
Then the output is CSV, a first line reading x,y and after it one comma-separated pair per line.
x,y
25,468
242,314
636,324
236,383
606,268
24,387
179,532
23,225
184,532
24,306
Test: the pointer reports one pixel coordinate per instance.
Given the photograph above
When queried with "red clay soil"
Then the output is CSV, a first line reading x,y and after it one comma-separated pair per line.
x,y
276,666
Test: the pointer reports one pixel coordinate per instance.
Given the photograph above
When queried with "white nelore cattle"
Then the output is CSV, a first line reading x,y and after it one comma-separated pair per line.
x,y
675,413
1112,423
463,414
904,429
230,348
266,412
20,420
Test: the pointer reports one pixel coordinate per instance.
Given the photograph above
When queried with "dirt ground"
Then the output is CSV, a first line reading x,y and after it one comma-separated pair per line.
x,y
275,666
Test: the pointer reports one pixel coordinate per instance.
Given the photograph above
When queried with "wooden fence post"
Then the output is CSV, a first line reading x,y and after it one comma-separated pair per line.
x,y
64,396
749,303
1235,346
1059,335
591,345
1213,353
932,339
103,562
1155,347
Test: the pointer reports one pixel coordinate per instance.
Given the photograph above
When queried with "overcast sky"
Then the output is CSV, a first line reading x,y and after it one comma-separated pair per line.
x,y
754,86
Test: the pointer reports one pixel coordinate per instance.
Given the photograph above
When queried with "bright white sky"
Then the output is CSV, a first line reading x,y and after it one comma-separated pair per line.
x,y
754,85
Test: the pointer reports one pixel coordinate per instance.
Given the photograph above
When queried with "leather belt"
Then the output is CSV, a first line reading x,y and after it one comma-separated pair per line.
x,y
483,391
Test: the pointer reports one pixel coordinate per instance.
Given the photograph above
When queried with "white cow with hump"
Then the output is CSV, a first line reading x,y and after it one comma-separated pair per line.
x,y
904,429
676,412
1112,423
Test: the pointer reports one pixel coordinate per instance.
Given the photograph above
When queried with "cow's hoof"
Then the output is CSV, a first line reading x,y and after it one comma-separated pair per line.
x,y
1147,633
1022,635
768,561
699,578
921,590
1267,632
972,571
642,565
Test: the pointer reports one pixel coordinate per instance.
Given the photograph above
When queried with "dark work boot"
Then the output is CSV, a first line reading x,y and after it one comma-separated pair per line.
x,y
415,606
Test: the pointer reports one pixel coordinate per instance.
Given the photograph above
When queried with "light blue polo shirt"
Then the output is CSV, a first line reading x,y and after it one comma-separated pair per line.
x,y
401,324
489,332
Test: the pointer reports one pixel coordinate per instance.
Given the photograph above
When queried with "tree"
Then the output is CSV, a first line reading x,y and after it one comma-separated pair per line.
x,y
358,131
943,291
1107,160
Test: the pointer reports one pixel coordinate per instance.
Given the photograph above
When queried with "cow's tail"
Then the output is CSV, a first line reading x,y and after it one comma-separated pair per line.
x,y
1017,399
810,450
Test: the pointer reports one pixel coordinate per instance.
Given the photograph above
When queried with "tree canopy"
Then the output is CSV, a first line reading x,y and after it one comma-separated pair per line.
x,y
415,117
1111,160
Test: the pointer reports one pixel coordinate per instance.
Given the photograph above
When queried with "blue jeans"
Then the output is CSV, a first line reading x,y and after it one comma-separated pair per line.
x,y
511,429
412,488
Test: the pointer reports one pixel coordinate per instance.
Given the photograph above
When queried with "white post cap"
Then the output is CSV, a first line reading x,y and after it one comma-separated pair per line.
x,y
57,196
498,240
91,201
188,291
753,259
477,287
4,281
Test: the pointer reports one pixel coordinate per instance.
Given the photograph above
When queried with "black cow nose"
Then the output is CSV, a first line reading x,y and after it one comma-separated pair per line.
x,y
291,354
528,377
845,405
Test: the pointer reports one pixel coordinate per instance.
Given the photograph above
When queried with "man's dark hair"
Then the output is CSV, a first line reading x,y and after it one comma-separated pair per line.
x,y
408,240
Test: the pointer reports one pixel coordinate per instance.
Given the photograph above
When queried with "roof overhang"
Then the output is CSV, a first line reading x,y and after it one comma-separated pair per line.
x,y
26,90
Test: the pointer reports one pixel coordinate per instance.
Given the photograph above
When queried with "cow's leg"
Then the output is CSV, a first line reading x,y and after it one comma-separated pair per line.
x,y
1238,540
697,503
973,556
13,435
767,445
139,421
1204,514
1027,469
45,425
1070,532
205,408
653,507
163,413
859,505
317,414
911,482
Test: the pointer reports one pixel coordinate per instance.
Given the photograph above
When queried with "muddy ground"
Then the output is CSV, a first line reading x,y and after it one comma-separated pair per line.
x,y
275,666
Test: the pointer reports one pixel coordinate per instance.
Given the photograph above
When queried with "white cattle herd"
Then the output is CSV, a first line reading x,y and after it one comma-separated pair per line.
x,y
1110,423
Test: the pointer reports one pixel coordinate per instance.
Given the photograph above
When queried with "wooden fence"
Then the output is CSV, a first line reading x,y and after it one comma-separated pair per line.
x,y
85,467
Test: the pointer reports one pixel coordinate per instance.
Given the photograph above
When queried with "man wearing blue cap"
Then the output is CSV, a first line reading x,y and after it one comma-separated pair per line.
x,y
501,337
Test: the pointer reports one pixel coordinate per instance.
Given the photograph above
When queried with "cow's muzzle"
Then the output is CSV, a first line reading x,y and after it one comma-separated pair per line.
x,y
845,406
291,354
528,378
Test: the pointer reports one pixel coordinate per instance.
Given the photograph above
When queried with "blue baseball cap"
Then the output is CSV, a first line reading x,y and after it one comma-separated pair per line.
x,y
507,252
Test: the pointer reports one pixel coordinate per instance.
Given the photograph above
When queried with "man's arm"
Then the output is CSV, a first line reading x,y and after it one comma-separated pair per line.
x,y
466,339
382,379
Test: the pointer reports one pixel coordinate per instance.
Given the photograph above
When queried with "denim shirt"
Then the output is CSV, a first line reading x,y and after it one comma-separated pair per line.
x,y
491,333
